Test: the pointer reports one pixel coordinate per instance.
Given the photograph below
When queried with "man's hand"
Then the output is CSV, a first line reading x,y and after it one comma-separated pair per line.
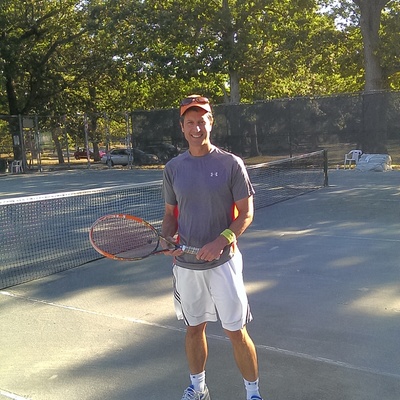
x,y
167,246
213,250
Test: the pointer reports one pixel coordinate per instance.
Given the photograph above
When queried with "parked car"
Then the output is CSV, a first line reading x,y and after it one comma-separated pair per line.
x,y
81,153
164,151
142,158
128,157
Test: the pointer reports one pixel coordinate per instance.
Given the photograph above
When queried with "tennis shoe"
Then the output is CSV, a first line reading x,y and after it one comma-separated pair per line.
x,y
256,398
191,394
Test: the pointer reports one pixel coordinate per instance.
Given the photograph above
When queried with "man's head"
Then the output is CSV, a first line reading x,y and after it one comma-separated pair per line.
x,y
196,123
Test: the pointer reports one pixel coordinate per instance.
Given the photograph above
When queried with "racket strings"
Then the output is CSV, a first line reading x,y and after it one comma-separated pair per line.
x,y
124,238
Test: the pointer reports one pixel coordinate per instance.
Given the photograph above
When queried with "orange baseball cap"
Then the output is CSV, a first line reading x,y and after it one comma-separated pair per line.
x,y
195,100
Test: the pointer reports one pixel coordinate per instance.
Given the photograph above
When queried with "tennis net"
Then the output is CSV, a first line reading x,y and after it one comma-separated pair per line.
x,y
46,234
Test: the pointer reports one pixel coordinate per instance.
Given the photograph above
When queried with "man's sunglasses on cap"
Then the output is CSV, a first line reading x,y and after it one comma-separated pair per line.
x,y
195,101
190,100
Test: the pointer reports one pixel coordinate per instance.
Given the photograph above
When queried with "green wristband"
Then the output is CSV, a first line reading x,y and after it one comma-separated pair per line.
x,y
229,235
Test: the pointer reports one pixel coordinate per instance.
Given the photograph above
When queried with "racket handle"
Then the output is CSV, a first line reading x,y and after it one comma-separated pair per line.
x,y
189,249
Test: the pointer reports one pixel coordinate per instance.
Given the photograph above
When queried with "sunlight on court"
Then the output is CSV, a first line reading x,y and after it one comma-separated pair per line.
x,y
345,262
296,232
260,286
378,301
257,234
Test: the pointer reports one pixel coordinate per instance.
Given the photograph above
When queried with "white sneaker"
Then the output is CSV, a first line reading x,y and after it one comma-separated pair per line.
x,y
191,394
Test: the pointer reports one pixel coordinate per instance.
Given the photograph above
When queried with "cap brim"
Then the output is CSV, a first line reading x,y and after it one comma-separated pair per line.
x,y
205,106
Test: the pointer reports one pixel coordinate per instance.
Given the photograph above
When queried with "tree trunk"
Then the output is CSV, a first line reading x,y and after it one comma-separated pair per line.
x,y
370,19
235,87
374,101
254,151
15,129
229,46
374,137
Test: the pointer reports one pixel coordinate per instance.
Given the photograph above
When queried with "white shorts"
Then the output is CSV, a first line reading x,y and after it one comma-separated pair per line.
x,y
202,296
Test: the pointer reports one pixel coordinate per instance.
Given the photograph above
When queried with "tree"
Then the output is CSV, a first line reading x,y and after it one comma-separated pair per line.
x,y
374,137
248,50
370,23
378,22
378,42
98,56
35,38
390,44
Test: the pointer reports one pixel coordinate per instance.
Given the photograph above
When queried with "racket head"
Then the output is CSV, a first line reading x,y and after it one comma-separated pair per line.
x,y
123,237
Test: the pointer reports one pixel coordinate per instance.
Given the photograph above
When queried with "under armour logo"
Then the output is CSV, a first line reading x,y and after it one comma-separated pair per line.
x,y
213,174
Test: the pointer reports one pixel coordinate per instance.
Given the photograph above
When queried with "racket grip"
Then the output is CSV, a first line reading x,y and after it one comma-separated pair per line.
x,y
190,249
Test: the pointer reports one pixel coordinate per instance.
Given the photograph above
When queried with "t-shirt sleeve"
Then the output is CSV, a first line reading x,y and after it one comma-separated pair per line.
x,y
167,188
241,184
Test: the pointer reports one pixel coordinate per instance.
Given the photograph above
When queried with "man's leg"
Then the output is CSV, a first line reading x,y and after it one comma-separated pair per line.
x,y
246,359
196,348
245,353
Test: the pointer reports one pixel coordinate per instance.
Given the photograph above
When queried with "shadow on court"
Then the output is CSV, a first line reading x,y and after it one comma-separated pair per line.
x,y
322,272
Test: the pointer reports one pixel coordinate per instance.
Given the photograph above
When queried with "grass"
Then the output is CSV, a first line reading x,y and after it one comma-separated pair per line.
x,y
336,154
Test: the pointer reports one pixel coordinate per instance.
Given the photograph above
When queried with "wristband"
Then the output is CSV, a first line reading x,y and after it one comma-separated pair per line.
x,y
229,235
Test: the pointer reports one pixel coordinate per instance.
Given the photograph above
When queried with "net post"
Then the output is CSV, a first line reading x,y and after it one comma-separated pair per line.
x,y
326,167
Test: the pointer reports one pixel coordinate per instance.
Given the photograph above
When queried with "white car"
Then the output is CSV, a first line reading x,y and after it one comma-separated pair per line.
x,y
129,157
117,157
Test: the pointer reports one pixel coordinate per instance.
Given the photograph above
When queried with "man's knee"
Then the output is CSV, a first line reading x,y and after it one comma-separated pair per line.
x,y
193,331
240,335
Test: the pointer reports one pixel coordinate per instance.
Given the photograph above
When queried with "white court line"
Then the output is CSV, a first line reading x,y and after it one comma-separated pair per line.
x,y
360,238
216,337
310,232
12,395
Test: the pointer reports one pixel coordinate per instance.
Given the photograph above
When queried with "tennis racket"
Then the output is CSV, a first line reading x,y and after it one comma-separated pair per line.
x,y
128,238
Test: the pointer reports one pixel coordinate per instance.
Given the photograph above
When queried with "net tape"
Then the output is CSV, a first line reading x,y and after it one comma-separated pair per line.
x,y
45,234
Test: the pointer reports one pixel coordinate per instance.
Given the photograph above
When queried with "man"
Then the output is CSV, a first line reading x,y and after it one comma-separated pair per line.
x,y
208,204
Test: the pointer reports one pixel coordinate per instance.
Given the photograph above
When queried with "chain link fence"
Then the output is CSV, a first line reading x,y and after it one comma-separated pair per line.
x,y
275,128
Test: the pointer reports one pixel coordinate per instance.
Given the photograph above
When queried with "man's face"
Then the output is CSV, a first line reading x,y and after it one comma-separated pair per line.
x,y
196,127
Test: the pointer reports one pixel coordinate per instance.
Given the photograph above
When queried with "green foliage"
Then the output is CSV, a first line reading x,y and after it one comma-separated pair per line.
x,y
35,35
347,14
97,56
390,43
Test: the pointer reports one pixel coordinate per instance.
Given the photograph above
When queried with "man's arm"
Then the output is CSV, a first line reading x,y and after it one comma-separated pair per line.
x,y
245,209
169,227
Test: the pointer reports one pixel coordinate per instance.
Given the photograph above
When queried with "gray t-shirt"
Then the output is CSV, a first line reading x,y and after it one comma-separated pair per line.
x,y
205,190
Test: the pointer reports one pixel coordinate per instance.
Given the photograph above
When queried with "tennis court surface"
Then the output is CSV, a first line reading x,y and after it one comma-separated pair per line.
x,y
323,278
